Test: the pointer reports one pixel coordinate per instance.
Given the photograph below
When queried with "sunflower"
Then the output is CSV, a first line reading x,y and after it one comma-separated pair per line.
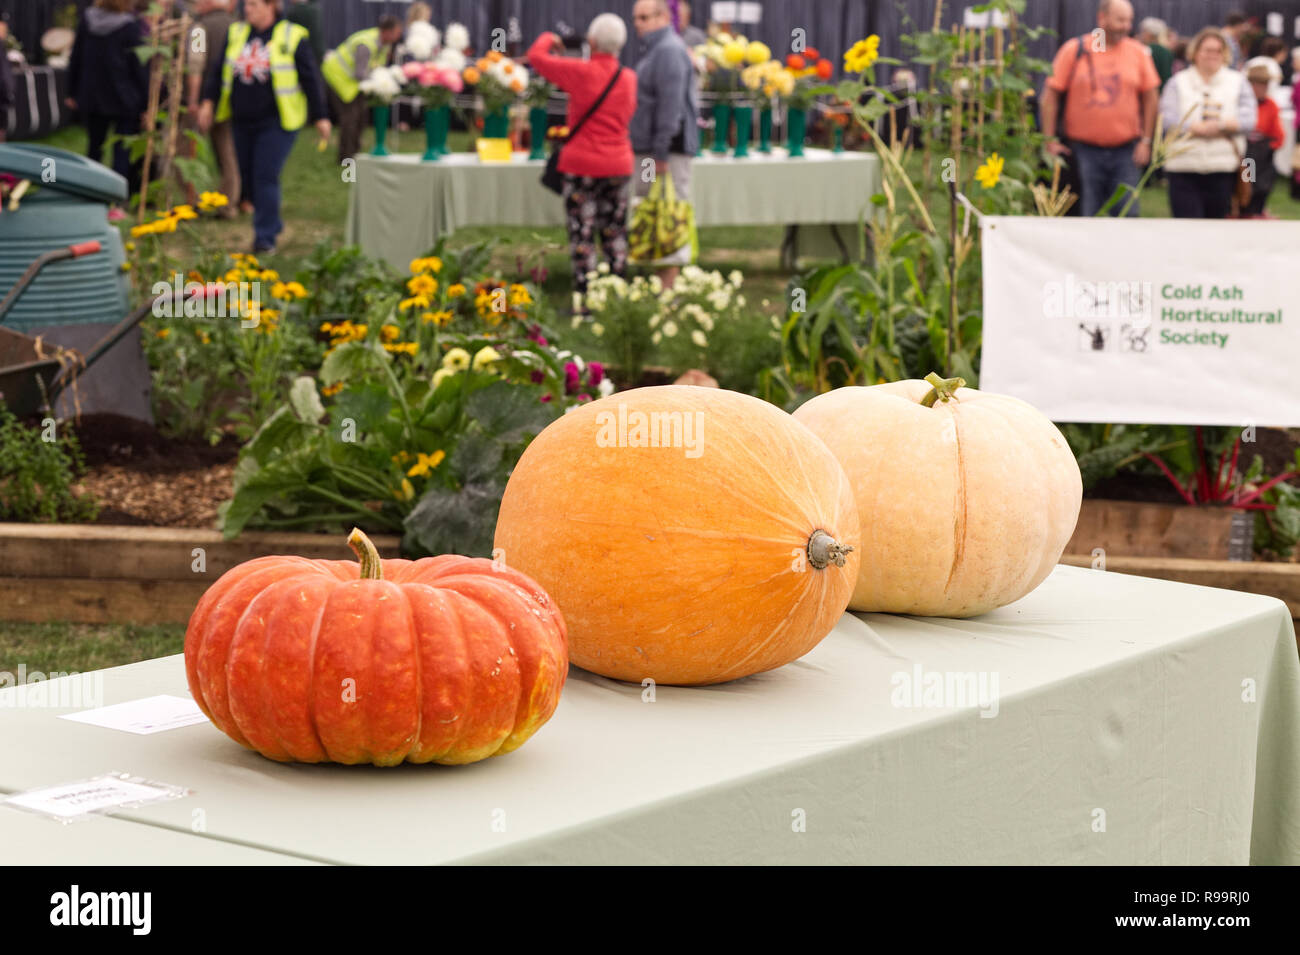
x,y
862,55
988,174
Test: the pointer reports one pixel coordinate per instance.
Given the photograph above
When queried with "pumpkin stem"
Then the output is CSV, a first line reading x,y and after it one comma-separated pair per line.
x,y
364,548
824,550
941,389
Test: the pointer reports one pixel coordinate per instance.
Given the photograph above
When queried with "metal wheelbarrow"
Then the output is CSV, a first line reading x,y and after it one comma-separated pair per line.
x,y
30,377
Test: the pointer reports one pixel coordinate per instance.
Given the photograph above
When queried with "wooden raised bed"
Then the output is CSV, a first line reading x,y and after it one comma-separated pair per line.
x,y
1139,529
91,573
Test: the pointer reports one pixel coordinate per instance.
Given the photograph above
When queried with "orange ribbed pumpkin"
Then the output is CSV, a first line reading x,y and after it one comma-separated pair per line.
x,y
690,535
445,659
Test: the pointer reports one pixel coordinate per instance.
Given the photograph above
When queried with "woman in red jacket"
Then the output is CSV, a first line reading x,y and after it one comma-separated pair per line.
x,y
1262,142
597,162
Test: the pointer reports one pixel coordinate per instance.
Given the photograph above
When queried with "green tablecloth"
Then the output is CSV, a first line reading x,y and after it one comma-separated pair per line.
x,y
1124,734
399,206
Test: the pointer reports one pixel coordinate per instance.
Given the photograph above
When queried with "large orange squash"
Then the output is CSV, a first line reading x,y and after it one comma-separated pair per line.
x,y
967,498
445,659
690,535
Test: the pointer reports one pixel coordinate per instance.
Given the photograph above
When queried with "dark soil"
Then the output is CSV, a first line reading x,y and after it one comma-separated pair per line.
x,y
114,439
140,477
1128,486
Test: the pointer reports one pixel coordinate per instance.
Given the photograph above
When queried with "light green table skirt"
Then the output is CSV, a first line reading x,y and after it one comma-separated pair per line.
x,y
400,206
1133,721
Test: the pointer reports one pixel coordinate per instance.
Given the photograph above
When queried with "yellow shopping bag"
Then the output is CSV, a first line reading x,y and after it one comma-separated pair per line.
x,y
662,231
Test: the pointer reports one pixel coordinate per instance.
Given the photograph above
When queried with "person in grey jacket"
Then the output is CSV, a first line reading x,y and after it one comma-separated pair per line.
x,y
665,134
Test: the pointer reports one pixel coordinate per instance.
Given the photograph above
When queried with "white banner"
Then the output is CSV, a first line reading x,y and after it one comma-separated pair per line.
x,y
1147,321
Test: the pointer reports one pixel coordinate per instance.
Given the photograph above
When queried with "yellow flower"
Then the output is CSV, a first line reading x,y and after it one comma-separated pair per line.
x,y
288,291
426,463
269,275
457,359
212,200
758,53
125,266
246,258
406,492
430,264
330,390
204,337
403,348
439,318
389,332
441,375
988,174
130,247
862,54
422,285
455,290
484,357
733,53
184,212
162,332
415,301
401,456
519,295
234,275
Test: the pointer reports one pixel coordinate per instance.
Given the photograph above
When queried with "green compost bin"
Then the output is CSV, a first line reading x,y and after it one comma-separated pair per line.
x,y
73,303
68,204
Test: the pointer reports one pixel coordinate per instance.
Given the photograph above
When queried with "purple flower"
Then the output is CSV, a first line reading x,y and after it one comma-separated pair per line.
x,y
597,372
536,377
571,378
584,397
546,397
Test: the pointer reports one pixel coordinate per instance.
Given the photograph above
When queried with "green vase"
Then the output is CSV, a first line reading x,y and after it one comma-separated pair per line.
x,y
744,126
537,125
838,138
797,123
437,121
721,119
765,130
381,131
496,124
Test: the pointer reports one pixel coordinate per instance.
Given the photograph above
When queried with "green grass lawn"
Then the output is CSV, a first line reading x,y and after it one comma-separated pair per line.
x,y
314,206
78,647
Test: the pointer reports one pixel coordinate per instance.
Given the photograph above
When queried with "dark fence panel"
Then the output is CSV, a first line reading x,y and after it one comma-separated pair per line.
x,y
830,25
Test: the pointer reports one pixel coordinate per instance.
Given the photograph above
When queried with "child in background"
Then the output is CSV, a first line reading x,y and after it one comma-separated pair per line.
x,y
1264,140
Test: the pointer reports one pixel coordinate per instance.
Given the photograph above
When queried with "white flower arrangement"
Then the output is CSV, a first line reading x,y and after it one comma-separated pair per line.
x,y
451,59
383,83
422,40
457,38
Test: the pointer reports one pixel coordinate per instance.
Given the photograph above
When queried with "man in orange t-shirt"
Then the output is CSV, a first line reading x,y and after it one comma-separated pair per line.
x,y
1111,94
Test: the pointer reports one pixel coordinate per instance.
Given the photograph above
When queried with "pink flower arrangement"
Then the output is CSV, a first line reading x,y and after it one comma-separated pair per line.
x,y
431,74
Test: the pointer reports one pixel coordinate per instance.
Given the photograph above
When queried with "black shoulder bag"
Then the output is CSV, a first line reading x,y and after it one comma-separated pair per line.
x,y
552,178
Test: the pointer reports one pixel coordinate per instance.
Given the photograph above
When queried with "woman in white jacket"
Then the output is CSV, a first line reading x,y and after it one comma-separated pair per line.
x,y
1216,105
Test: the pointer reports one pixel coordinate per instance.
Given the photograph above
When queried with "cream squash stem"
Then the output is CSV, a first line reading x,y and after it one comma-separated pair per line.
x,y
942,389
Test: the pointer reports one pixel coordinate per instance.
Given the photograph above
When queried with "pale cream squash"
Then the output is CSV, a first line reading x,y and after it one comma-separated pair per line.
x,y
689,535
967,498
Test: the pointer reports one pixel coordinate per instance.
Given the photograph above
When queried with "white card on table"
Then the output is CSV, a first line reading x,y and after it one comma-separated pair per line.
x,y
153,714
67,801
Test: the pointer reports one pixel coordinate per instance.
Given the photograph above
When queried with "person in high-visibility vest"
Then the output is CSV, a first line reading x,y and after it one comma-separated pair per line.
x,y
345,67
266,82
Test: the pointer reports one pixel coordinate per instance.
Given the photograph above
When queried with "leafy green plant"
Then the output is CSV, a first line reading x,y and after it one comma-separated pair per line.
x,y
416,414
37,475
222,364
624,314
